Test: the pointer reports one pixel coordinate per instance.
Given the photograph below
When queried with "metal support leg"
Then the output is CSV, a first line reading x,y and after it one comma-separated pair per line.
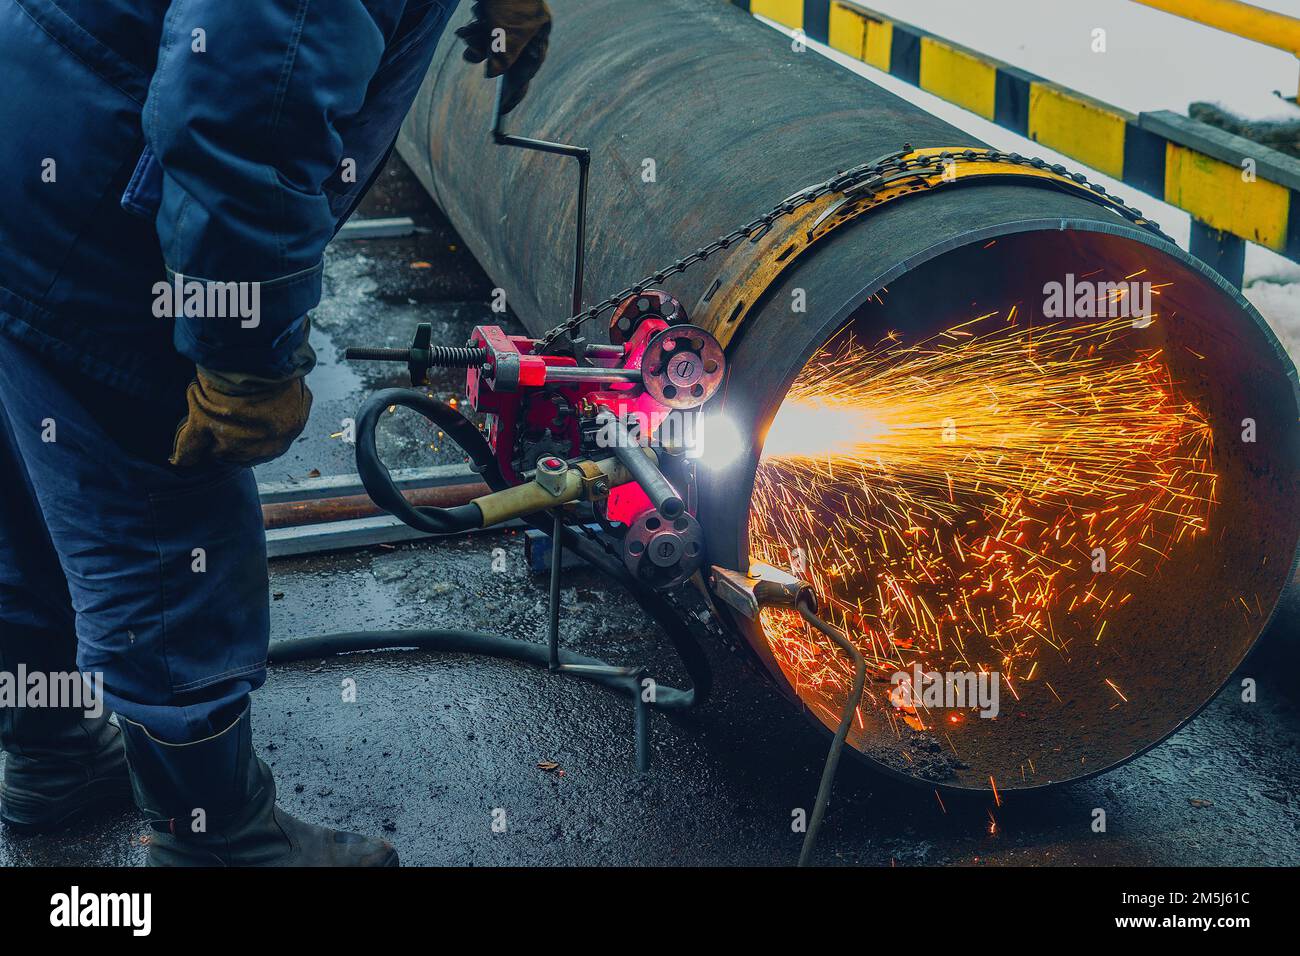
x,y
634,675
1221,251
641,722
557,562
640,708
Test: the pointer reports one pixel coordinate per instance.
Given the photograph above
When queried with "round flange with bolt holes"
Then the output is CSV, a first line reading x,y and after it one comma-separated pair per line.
x,y
683,367
663,552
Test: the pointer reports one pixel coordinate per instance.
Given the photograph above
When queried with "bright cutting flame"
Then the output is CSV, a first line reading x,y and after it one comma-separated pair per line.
x,y
813,426
950,496
721,444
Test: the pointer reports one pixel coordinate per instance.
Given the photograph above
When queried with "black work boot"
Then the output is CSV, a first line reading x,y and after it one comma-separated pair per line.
x,y
212,803
60,764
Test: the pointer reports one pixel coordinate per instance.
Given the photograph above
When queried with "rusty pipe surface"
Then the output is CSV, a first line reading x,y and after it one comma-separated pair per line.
x,y
698,119
292,514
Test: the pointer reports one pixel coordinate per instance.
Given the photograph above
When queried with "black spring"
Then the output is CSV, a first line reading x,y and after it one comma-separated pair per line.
x,y
449,356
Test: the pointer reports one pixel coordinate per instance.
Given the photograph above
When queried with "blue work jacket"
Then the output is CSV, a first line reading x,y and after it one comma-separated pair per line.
x,y
224,141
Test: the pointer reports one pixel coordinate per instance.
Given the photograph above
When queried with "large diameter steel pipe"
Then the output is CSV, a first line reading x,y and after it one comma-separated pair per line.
x,y
1075,507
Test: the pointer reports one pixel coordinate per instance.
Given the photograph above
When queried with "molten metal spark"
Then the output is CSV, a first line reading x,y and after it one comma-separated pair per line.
x,y
950,500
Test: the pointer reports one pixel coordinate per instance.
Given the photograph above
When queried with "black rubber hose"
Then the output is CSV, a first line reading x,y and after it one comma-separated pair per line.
x,y
851,704
379,483
467,642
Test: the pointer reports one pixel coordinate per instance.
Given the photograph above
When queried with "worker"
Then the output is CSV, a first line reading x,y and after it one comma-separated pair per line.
x,y
173,170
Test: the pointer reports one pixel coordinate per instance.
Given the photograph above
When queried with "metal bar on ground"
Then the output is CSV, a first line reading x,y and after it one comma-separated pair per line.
x,y
334,513
337,536
345,507
394,228
337,486
299,540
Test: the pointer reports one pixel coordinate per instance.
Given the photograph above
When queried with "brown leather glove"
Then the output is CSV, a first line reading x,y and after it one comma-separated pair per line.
x,y
512,36
239,420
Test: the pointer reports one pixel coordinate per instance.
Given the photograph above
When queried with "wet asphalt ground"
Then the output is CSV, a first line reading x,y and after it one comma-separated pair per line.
x,y
461,760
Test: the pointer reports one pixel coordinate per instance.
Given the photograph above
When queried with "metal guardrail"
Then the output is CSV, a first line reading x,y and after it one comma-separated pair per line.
x,y
1245,20
1241,19
1193,166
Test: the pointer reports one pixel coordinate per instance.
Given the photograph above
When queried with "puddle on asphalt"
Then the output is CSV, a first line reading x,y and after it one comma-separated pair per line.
x,y
334,377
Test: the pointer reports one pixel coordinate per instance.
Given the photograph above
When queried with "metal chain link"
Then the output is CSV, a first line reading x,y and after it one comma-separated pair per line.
x,y
845,182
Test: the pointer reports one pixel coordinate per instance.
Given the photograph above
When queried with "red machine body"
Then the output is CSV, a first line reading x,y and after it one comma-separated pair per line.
x,y
577,405
537,404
